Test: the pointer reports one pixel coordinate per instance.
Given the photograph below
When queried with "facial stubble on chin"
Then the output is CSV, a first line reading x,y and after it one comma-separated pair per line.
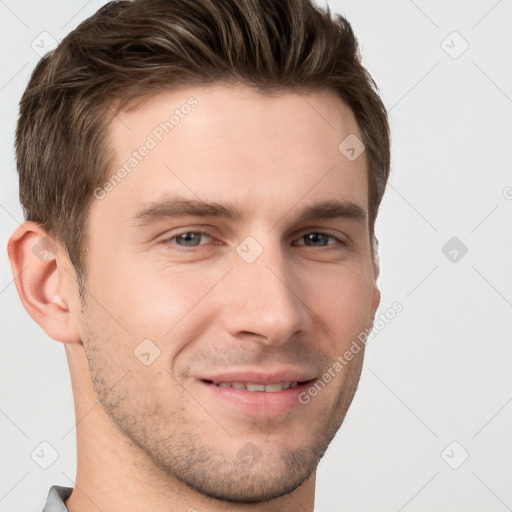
x,y
193,457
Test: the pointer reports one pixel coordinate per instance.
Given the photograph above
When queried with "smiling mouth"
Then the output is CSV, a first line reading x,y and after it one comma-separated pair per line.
x,y
265,388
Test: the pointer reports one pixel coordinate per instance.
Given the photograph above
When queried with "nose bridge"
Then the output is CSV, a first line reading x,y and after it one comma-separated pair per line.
x,y
263,297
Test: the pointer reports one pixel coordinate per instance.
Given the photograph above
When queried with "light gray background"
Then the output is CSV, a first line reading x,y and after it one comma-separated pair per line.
x,y
441,370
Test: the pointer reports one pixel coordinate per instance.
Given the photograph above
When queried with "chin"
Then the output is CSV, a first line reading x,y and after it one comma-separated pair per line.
x,y
246,486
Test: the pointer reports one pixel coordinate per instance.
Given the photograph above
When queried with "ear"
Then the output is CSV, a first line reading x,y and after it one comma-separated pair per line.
x,y
40,272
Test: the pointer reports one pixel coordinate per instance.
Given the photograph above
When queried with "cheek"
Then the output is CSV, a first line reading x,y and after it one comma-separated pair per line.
x,y
156,302
342,300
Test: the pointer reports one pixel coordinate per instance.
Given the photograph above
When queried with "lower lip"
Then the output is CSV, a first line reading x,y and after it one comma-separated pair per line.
x,y
257,403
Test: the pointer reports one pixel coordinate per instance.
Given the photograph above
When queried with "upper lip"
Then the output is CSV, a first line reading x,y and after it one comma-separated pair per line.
x,y
254,376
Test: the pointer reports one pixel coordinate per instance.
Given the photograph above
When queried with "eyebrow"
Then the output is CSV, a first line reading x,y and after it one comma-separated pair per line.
x,y
175,207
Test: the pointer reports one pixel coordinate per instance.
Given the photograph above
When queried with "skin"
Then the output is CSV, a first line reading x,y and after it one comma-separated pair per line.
x,y
151,437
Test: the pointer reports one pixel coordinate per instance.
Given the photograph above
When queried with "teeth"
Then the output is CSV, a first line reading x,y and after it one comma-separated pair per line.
x,y
272,388
255,387
268,388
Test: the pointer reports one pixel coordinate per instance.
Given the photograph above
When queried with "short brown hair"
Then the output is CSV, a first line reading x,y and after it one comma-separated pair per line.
x,y
131,49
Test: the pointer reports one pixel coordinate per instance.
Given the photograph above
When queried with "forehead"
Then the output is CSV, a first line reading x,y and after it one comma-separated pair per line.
x,y
232,143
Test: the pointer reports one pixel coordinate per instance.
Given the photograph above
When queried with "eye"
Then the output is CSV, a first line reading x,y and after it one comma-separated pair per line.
x,y
317,239
188,239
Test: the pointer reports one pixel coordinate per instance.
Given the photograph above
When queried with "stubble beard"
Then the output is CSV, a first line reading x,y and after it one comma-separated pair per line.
x,y
190,457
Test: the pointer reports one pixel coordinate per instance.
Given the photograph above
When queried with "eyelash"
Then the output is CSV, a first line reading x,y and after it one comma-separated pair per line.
x,y
169,241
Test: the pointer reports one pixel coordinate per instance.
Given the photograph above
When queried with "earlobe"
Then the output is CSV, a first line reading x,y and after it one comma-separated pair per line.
x,y
38,275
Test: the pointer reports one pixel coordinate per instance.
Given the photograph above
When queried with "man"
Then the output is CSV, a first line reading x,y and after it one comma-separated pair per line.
x,y
200,182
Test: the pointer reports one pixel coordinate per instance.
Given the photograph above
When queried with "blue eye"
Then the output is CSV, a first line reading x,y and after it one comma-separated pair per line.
x,y
316,239
188,239
191,239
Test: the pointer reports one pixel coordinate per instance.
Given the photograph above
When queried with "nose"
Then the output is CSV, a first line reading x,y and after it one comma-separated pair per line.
x,y
263,300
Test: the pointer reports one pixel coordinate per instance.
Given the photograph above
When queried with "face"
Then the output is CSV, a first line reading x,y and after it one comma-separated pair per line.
x,y
229,267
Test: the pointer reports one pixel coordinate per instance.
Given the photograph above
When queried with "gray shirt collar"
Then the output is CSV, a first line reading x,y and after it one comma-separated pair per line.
x,y
56,499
